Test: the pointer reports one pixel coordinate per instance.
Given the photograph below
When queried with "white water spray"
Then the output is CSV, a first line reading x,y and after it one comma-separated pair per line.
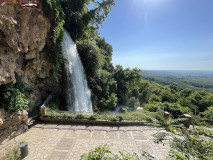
x,y
78,94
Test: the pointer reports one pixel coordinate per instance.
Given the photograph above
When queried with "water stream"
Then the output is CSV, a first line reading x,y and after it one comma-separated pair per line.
x,y
77,92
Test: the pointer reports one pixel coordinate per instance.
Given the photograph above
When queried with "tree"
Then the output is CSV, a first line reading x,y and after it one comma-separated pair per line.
x,y
167,96
184,102
83,23
197,99
133,102
129,84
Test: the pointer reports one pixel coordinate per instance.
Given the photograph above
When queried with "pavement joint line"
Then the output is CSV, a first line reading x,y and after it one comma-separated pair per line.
x,y
125,130
105,135
58,150
119,135
92,134
68,137
132,137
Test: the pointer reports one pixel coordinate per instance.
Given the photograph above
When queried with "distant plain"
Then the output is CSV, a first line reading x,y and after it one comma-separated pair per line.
x,y
193,79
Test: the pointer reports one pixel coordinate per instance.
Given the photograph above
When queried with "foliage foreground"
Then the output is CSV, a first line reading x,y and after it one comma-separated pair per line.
x,y
13,154
103,153
185,144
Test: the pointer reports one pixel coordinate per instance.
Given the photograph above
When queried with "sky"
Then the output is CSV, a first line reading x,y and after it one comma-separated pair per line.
x,y
161,34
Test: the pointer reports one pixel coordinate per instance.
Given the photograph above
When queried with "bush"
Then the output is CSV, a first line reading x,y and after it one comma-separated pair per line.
x,y
14,99
120,118
103,152
113,118
54,103
79,116
192,147
133,102
154,98
175,109
208,114
123,110
151,107
68,115
109,103
94,117
167,96
13,154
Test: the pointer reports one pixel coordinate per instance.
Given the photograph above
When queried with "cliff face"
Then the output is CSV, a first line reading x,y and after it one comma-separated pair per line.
x,y
23,36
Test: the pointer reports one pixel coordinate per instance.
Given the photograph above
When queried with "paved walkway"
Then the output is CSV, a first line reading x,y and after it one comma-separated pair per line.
x,y
69,142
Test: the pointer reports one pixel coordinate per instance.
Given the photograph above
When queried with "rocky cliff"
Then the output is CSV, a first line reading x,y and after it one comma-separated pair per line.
x,y
23,36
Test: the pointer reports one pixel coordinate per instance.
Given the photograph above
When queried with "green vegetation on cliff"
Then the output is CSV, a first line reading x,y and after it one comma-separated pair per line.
x,y
54,12
13,97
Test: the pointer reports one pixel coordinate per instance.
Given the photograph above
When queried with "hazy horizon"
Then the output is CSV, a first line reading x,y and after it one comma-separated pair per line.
x,y
174,70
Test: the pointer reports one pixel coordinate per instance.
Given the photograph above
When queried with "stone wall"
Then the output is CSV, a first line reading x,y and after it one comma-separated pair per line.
x,y
45,118
12,125
92,122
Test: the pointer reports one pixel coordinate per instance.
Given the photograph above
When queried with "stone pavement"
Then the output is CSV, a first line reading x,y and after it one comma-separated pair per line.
x,y
69,142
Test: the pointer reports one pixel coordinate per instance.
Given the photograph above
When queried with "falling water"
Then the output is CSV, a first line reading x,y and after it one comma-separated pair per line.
x,y
78,94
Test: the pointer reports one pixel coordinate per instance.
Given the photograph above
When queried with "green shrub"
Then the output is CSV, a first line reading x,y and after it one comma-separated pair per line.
x,y
54,103
54,114
208,114
152,107
104,117
123,110
133,102
173,108
119,117
80,116
13,96
68,115
167,96
109,103
103,152
154,98
94,117
15,100
13,154
113,118
191,147
185,144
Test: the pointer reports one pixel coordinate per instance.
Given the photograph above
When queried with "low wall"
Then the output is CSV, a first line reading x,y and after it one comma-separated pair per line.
x,y
85,121
44,117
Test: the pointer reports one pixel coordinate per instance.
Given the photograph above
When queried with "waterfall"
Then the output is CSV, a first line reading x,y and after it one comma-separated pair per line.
x,y
77,91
